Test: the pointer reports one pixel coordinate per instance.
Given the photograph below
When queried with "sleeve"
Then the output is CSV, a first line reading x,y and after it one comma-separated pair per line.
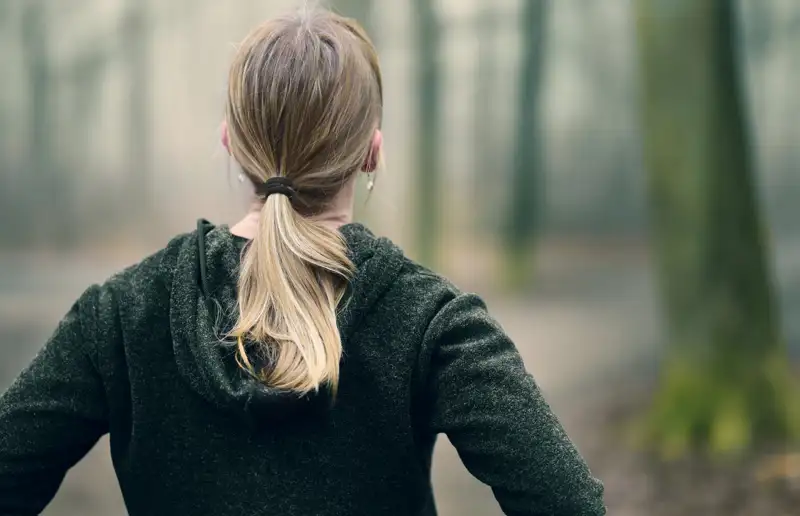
x,y
493,412
50,417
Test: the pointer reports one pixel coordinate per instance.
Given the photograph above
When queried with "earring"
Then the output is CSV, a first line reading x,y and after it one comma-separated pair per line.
x,y
371,181
241,177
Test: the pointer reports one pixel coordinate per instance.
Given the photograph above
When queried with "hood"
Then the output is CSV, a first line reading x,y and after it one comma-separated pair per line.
x,y
203,308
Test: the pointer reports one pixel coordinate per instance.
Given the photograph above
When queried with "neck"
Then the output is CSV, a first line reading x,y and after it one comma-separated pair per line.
x,y
339,213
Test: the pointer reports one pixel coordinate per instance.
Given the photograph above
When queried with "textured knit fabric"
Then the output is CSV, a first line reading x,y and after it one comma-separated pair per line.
x,y
141,357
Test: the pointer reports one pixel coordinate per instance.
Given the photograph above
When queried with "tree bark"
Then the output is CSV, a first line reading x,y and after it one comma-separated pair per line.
x,y
725,384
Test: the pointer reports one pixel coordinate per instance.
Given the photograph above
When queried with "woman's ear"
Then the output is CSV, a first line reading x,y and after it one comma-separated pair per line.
x,y
224,136
371,163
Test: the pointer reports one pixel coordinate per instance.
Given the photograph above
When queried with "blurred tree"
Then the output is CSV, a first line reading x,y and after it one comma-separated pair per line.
x,y
427,196
761,29
526,206
607,151
486,142
7,166
83,78
41,216
135,38
37,66
84,75
726,384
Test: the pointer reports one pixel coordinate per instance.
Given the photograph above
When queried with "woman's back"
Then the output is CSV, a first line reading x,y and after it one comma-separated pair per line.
x,y
293,364
192,434
198,436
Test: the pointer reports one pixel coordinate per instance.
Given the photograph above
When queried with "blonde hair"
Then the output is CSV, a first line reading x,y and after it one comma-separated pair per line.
x,y
304,101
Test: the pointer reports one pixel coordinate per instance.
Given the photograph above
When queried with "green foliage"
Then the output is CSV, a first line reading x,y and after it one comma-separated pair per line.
x,y
707,409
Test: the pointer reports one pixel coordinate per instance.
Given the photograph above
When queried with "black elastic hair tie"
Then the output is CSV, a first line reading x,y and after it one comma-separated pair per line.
x,y
276,185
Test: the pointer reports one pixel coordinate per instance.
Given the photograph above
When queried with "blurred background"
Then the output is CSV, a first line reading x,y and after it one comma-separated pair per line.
x,y
618,179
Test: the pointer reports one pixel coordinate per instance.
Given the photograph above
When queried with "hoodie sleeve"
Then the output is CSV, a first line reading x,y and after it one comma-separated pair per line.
x,y
50,417
494,414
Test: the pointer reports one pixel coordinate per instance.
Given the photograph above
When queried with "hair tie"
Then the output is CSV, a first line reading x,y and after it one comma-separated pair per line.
x,y
276,185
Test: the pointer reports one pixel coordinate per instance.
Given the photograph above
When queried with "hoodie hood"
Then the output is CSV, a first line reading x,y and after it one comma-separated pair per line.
x,y
203,309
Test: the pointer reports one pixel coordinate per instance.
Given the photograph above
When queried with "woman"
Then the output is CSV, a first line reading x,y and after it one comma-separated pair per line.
x,y
293,364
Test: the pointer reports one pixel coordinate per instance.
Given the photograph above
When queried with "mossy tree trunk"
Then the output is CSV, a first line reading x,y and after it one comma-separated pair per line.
x,y
427,196
526,196
725,385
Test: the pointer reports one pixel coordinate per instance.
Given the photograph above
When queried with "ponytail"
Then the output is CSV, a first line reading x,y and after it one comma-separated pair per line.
x,y
293,276
304,103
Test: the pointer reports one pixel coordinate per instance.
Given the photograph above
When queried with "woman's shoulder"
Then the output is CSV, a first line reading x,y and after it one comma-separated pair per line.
x,y
418,289
418,277
152,268
411,274
138,286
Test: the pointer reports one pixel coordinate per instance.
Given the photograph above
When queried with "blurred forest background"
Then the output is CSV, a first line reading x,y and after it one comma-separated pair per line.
x,y
618,178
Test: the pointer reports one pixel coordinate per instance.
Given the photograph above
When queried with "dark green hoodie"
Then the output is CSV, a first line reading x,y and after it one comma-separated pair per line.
x,y
140,357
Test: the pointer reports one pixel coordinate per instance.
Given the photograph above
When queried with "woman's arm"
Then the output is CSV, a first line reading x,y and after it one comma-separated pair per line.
x,y
51,416
494,414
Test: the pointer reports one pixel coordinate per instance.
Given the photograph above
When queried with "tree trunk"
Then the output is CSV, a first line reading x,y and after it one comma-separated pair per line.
x,y
486,144
525,208
39,207
9,164
427,189
137,190
85,77
725,383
